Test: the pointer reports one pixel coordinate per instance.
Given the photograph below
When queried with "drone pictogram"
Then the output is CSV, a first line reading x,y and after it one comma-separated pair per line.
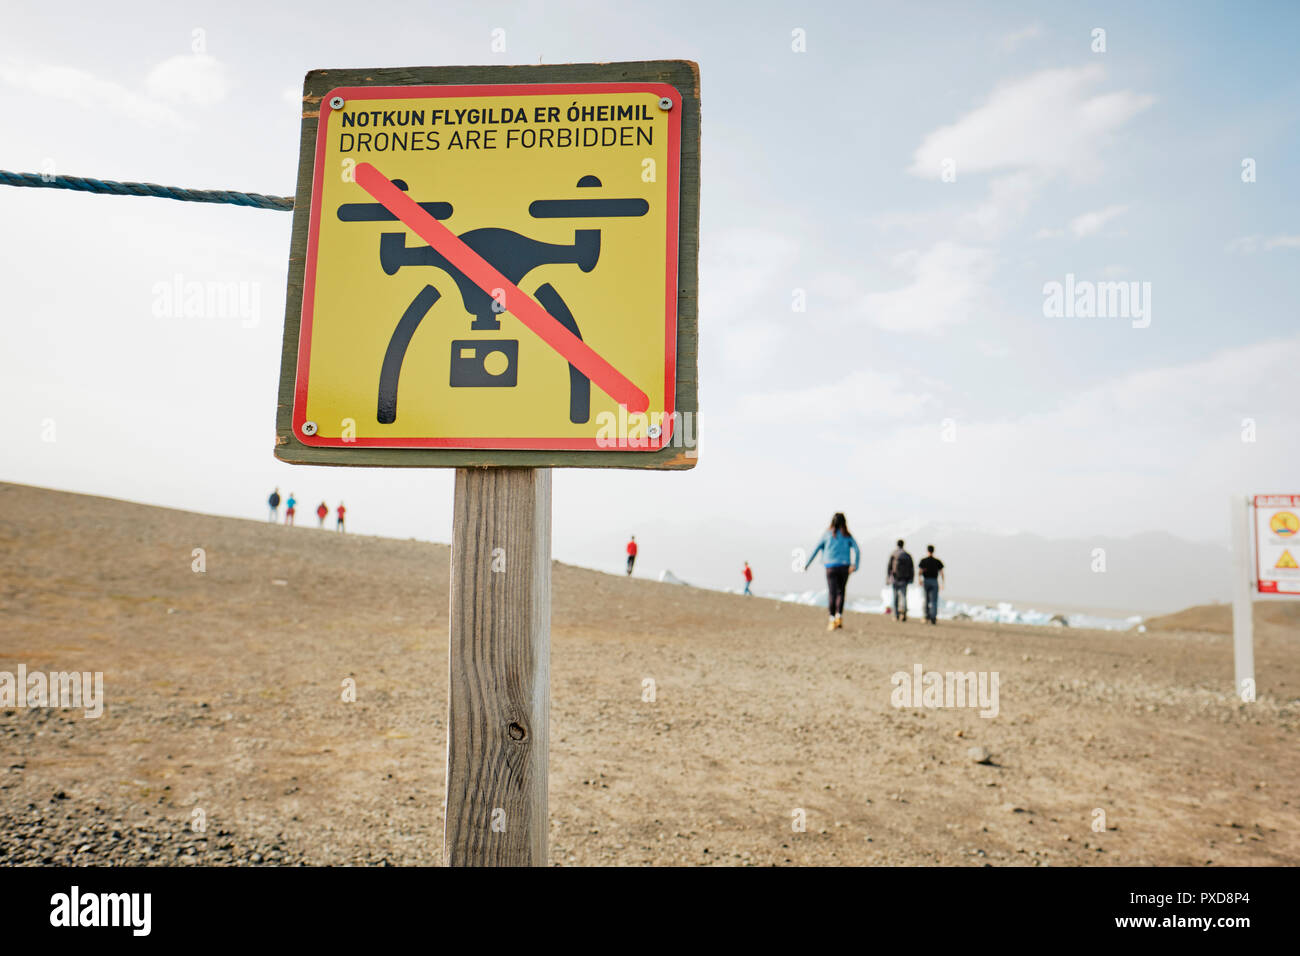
x,y
487,265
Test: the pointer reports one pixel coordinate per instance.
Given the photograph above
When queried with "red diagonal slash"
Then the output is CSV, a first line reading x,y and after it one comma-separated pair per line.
x,y
481,272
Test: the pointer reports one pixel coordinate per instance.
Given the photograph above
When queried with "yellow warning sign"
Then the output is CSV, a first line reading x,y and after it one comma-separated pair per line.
x,y
491,267
1286,561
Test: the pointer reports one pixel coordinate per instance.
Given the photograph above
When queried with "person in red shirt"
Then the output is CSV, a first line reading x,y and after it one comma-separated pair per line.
x,y
322,510
338,525
631,554
749,576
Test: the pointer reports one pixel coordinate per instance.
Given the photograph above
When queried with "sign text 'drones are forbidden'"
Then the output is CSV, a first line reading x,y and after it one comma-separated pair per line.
x,y
491,267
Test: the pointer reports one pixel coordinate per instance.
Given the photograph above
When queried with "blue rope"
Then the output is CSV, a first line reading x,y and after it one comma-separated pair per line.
x,y
256,200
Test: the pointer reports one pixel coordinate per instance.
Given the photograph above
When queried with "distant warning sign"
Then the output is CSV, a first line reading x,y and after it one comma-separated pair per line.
x,y
1277,541
492,267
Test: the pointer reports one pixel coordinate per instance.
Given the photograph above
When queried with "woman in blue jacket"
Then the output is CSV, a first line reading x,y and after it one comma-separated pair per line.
x,y
841,557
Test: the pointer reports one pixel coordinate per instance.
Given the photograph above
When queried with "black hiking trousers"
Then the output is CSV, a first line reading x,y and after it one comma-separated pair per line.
x,y
837,579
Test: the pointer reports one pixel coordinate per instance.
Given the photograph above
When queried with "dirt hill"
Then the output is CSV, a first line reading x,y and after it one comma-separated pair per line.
x,y
1271,617
223,693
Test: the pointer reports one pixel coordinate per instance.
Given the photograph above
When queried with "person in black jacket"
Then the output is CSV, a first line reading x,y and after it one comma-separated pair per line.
x,y
273,503
900,573
931,569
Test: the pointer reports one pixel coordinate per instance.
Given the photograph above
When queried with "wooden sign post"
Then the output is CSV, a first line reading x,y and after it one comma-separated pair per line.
x,y
493,269
499,698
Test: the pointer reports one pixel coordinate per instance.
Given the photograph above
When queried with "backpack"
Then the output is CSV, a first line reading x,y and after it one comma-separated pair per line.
x,y
903,570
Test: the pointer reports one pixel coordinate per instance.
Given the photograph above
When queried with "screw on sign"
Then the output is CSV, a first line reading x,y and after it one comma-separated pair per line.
x,y
491,266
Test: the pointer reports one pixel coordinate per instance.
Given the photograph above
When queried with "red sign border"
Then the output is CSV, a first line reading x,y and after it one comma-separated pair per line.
x,y
352,93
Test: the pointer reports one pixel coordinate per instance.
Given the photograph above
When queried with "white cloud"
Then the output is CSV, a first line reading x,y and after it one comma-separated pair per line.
x,y
194,78
1251,244
87,90
742,266
1049,121
749,276
863,395
1158,448
1087,224
949,282
753,346
1091,223
1009,198
1012,40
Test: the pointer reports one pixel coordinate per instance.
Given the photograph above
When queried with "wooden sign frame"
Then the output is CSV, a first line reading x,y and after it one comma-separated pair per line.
x,y
683,75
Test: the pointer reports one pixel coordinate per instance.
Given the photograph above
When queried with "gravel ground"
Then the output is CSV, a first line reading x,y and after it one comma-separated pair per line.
x,y
224,696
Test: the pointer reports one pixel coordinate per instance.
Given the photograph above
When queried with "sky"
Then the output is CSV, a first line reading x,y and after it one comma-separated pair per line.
x,y
918,176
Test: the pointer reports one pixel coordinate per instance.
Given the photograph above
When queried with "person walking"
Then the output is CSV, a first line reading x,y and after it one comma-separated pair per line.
x,y
338,525
749,578
841,557
322,511
631,554
931,578
273,503
290,504
900,574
